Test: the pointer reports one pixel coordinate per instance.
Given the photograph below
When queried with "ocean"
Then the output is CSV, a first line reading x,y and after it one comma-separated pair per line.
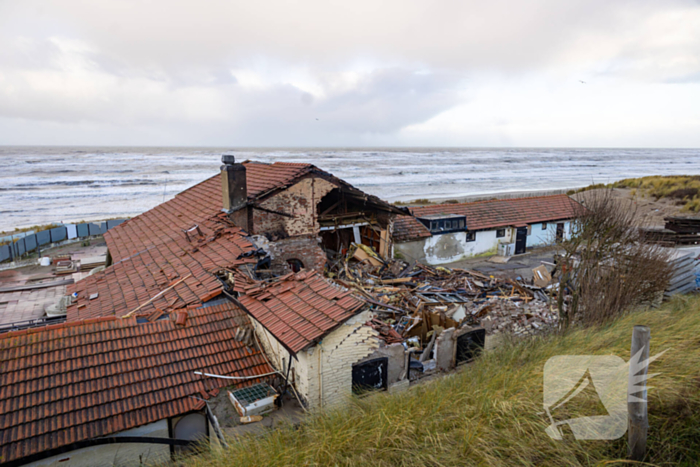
x,y
40,185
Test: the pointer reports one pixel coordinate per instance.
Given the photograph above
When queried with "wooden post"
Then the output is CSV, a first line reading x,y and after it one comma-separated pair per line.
x,y
637,411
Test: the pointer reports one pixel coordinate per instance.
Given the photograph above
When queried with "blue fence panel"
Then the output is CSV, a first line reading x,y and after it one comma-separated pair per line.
x,y
94,229
103,228
113,223
71,231
20,247
43,237
83,230
5,253
30,242
58,234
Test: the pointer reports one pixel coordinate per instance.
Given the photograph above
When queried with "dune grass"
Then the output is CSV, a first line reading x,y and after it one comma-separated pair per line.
x,y
489,413
684,190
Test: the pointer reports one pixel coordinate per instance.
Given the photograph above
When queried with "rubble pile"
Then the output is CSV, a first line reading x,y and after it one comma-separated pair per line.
x,y
410,300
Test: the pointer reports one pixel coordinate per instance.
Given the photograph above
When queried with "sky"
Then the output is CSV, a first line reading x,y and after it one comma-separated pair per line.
x,y
539,73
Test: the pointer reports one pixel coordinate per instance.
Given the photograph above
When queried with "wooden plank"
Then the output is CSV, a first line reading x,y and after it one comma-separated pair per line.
x,y
637,411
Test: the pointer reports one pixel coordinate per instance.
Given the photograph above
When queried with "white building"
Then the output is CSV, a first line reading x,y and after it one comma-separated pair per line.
x,y
439,234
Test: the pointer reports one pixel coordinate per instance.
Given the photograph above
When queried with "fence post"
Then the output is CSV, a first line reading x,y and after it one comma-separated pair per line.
x,y
637,411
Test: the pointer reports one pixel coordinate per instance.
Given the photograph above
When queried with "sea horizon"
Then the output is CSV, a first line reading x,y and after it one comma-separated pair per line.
x,y
44,184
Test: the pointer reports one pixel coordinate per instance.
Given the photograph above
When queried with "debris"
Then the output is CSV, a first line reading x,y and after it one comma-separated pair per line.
x,y
542,278
411,300
251,419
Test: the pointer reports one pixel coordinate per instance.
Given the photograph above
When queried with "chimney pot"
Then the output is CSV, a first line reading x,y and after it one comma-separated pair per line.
x,y
228,159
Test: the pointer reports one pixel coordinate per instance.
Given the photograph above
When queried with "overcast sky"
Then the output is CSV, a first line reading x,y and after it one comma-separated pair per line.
x,y
593,73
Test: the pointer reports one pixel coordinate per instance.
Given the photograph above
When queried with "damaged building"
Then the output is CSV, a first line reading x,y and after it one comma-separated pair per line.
x,y
300,215
444,233
178,313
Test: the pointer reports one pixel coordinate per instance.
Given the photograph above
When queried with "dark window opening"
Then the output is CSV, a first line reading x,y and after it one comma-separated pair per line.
x,y
450,224
500,233
544,226
529,230
295,265
470,345
471,236
370,375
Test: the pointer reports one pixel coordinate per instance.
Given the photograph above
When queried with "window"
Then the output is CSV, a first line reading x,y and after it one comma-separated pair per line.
x,y
452,223
471,236
529,229
295,265
544,226
500,233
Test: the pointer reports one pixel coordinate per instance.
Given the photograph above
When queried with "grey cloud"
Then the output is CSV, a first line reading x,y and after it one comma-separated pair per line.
x,y
171,70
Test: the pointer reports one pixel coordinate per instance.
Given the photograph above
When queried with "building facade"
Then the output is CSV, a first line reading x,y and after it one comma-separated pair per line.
x,y
440,234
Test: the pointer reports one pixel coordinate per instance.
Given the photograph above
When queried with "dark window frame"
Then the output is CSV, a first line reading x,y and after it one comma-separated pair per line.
x,y
500,233
471,236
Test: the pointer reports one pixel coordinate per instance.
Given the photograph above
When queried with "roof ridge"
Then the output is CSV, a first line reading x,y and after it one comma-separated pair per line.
x,y
52,327
471,203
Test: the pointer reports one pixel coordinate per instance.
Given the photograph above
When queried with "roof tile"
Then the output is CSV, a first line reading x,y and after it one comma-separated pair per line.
x,y
57,390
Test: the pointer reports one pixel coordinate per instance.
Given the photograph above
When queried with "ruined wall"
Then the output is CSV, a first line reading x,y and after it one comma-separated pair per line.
x,y
306,249
396,369
299,200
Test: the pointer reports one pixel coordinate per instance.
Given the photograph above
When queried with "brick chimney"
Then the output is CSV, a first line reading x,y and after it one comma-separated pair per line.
x,y
235,191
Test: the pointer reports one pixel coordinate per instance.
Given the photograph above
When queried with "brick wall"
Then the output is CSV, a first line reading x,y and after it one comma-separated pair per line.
x,y
330,364
306,249
300,201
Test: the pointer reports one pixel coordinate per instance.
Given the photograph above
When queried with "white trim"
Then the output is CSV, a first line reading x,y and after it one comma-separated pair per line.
x,y
346,226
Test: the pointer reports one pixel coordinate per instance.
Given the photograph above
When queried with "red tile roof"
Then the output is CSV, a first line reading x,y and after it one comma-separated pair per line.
x,y
491,214
151,252
76,381
180,271
407,228
165,222
262,178
298,309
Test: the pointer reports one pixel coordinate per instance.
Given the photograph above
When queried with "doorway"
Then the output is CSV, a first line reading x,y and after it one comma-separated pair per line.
x,y
520,240
560,232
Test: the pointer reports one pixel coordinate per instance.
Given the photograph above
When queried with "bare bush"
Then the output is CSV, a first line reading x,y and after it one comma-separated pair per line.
x,y
606,267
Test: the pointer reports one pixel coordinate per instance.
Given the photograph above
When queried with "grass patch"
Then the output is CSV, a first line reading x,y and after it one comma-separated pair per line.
x,y
683,189
488,414
415,202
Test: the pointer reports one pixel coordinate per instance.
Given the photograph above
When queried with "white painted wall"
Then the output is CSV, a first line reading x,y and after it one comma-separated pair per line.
x,y
541,237
450,247
116,455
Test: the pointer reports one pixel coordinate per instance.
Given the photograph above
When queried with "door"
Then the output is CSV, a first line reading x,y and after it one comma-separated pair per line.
x,y
560,232
520,240
370,375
